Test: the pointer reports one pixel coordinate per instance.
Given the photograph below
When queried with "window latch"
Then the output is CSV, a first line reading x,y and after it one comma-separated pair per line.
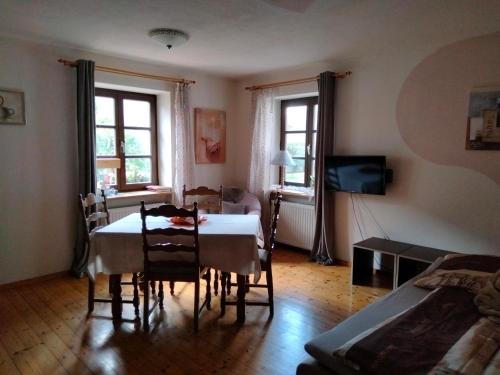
x,y
308,150
122,147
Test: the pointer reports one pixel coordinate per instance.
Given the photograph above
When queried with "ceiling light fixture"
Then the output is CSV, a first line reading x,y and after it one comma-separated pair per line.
x,y
169,37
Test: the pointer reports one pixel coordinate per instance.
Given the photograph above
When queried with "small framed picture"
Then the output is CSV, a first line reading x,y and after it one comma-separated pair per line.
x,y
483,123
12,107
210,136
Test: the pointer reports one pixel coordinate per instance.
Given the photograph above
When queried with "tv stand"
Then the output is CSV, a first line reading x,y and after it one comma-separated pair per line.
x,y
409,259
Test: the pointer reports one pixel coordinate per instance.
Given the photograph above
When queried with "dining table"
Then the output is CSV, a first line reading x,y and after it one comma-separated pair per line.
x,y
228,243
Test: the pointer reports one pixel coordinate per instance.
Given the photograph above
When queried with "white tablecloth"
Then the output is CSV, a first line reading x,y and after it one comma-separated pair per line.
x,y
227,243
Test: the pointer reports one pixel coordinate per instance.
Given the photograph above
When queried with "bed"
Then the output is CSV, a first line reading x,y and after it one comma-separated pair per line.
x,y
328,350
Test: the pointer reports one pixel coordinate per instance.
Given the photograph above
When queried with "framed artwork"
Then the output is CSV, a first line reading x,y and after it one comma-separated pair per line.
x,y
483,123
12,107
210,136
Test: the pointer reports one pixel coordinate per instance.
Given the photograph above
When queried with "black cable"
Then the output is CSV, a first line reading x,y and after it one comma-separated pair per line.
x,y
384,233
356,217
376,259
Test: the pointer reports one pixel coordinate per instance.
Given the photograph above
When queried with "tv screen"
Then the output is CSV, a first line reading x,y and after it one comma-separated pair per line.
x,y
355,174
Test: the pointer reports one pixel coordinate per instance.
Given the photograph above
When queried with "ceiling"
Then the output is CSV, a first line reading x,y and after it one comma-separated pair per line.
x,y
235,38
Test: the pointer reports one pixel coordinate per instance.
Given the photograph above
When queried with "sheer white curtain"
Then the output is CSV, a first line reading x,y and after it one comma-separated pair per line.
x,y
184,149
262,123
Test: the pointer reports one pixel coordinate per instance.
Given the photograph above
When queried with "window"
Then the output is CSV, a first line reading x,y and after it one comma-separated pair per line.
x,y
299,121
126,129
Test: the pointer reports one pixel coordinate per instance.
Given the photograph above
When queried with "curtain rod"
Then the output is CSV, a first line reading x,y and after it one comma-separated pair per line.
x,y
294,81
130,73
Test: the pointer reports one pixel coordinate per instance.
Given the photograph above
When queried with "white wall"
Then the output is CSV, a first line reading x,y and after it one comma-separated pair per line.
x,y
38,161
37,170
429,204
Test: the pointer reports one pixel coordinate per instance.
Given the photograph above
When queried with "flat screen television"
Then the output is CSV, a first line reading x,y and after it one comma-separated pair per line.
x,y
356,174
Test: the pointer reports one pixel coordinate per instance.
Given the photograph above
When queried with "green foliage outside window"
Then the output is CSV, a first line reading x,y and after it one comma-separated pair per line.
x,y
138,170
105,142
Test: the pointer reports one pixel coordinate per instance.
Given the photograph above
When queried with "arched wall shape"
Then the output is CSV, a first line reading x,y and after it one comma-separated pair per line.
x,y
433,103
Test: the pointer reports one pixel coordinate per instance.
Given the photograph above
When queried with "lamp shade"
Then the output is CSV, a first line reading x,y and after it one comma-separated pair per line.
x,y
108,163
169,37
283,159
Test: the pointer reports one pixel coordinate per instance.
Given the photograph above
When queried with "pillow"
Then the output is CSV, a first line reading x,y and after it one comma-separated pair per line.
x,y
470,272
232,194
250,200
233,208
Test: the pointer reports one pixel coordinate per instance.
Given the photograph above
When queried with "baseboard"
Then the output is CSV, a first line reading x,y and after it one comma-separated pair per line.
x,y
293,248
339,262
343,263
33,280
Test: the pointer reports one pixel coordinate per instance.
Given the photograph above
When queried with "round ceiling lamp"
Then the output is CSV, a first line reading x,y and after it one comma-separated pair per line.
x,y
169,37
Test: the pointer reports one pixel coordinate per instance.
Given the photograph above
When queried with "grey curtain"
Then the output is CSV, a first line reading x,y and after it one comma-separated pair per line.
x,y
324,234
86,153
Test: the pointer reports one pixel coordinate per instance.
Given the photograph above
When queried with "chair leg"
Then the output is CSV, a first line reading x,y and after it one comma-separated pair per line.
x,y
172,286
247,281
117,302
228,283
145,317
223,278
153,287
91,295
160,294
240,301
196,304
136,294
270,291
208,294
216,282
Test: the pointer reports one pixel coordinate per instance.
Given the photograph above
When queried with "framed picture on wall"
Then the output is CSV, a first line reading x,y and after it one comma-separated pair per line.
x,y
12,107
210,136
483,122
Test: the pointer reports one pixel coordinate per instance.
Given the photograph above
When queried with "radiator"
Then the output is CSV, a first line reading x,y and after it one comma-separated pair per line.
x,y
296,225
121,212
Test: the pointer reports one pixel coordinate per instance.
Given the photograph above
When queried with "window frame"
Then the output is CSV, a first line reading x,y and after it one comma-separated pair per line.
x,y
308,158
119,127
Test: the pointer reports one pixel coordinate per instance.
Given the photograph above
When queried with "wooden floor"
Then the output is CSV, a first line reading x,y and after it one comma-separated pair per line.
x,y
44,328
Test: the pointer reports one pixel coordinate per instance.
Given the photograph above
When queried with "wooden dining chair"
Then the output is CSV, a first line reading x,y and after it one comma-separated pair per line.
x,y
183,263
265,257
95,215
213,205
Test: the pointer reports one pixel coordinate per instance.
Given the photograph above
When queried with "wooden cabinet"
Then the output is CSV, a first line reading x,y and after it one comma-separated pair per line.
x,y
409,260
415,260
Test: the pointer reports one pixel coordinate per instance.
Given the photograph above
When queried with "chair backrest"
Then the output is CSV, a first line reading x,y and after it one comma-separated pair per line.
x,y
94,212
203,191
164,237
274,204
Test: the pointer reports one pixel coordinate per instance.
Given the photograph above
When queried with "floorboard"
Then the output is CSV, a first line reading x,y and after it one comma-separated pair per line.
x,y
45,329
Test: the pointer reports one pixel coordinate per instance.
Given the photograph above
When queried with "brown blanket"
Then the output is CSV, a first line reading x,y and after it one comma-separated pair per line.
x,y
471,272
419,340
488,298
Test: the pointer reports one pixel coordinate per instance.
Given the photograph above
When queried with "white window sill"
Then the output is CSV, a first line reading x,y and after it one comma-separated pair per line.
x,y
136,194
295,192
133,198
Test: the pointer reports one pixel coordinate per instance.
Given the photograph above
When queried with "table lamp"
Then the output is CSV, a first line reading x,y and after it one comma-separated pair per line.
x,y
108,163
283,159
